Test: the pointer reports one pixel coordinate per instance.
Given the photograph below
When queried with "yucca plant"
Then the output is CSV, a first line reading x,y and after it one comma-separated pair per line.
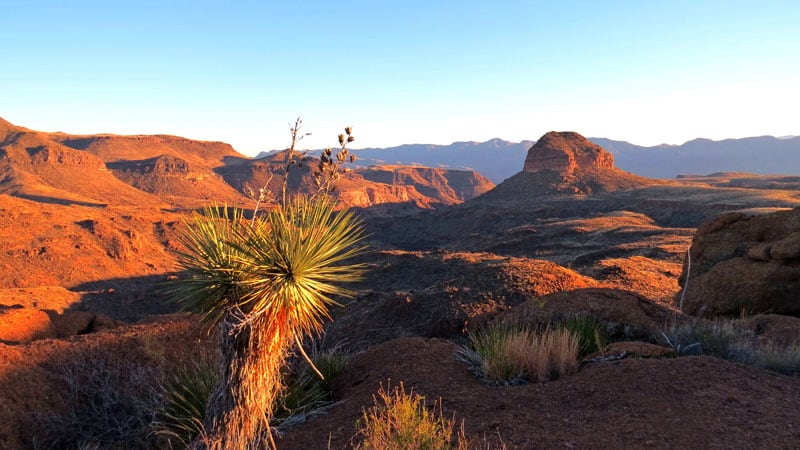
x,y
267,283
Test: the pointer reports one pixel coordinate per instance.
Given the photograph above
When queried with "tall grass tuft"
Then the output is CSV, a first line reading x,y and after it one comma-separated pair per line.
x,y
590,331
517,354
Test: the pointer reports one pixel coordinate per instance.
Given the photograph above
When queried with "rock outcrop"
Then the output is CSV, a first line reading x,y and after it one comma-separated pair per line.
x,y
743,263
446,186
566,152
567,163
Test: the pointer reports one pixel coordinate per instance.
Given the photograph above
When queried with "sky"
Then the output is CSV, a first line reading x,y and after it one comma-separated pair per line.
x,y
402,72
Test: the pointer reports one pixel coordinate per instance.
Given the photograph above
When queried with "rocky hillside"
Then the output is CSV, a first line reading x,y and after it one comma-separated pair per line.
x,y
101,169
95,216
570,237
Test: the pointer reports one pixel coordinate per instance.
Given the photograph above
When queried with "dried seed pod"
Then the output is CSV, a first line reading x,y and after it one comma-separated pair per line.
x,y
348,130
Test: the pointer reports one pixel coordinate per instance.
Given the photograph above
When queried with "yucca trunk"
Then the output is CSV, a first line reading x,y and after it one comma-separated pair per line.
x,y
241,403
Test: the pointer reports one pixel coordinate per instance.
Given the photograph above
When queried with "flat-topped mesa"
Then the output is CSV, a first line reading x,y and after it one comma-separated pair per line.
x,y
565,152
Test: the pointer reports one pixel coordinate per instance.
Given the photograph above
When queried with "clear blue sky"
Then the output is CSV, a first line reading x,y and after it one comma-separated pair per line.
x,y
402,71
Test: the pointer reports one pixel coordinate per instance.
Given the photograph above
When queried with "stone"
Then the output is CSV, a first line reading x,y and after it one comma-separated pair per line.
x,y
744,263
786,248
24,325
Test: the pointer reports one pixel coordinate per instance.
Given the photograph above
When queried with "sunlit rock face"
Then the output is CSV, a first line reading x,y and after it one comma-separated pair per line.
x,y
565,152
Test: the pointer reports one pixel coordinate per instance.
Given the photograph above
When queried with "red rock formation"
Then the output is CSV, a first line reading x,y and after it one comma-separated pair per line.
x,y
565,152
567,163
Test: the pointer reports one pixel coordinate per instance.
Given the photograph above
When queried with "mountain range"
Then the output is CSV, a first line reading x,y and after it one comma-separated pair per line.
x,y
498,159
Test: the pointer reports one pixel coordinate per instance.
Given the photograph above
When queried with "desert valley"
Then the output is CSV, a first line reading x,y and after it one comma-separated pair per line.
x,y
690,283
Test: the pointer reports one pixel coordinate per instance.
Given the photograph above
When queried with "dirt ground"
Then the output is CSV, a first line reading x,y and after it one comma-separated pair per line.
x,y
688,402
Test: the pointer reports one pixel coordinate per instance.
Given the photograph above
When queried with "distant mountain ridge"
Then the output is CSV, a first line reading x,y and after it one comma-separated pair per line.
x,y
760,154
495,159
498,159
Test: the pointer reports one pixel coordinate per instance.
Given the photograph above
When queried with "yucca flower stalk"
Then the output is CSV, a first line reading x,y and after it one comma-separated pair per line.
x,y
267,284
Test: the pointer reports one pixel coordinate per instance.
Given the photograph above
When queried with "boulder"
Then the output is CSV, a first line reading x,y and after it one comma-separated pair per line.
x,y
71,323
24,325
744,263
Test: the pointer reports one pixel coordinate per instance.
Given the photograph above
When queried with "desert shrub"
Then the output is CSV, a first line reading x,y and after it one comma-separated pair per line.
x,y
782,359
107,400
735,341
724,338
517,354
401,421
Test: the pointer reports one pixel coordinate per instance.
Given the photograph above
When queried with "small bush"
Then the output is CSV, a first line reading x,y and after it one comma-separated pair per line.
x,y
782,359
400,421
724,339
734,341
514,354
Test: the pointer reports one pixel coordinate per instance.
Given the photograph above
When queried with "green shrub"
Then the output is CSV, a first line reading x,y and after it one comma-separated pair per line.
x,y
590,331
185,397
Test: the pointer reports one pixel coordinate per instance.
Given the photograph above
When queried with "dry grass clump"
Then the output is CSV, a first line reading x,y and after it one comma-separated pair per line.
x,y
782,359
401,421
517,354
